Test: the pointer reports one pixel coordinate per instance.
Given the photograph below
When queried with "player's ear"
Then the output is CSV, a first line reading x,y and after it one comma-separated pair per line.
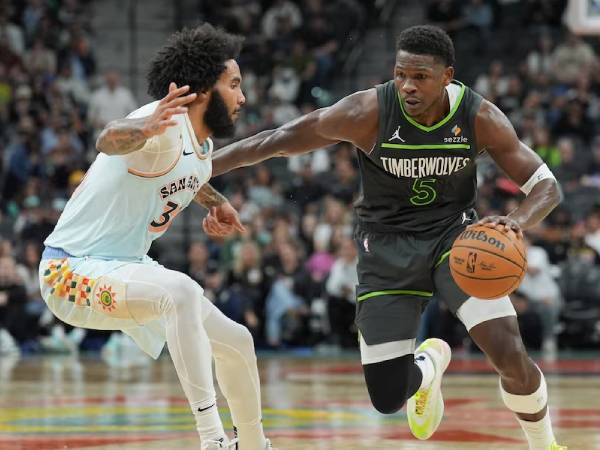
x,y
203,97
448,75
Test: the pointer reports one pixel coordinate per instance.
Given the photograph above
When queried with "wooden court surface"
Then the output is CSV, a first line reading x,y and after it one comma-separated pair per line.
x,y
54,402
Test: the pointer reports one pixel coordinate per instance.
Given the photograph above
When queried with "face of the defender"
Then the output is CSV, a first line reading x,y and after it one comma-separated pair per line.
x,y
229,86
420,80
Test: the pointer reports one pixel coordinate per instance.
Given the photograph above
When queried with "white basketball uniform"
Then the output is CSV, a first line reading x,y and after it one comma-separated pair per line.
x,y
107,228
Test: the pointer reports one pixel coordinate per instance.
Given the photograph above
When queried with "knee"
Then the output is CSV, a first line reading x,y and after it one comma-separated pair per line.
x,y
389,383
243,338
387,405
182,295
236,342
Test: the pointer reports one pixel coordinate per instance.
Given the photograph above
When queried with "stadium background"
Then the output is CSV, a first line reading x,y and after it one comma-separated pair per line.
x,y
68,67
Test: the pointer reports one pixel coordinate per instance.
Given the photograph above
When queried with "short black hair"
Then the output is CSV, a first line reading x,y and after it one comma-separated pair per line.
x,y
427,40
192,56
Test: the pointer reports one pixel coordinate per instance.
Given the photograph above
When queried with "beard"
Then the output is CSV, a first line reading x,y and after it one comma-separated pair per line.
x,y
217,117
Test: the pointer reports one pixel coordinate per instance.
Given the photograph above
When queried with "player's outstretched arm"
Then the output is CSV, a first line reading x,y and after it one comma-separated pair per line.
x,y
496,135
124,136
353,119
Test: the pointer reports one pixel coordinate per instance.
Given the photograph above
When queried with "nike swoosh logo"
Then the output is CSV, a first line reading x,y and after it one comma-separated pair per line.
x,y
185,154
208,407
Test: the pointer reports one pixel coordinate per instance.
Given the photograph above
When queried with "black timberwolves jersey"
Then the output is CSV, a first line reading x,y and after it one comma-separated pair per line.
x,y
418,178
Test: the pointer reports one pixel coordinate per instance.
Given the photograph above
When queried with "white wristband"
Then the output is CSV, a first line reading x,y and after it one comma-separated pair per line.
x,y
542,173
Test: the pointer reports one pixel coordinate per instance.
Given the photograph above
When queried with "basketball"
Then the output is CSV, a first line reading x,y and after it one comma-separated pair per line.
x,y
487,263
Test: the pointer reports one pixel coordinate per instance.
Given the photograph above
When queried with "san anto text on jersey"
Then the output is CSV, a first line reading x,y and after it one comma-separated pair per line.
x,y
190,182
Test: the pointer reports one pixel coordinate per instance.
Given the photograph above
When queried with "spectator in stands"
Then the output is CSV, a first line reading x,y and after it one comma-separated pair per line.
x,y
592,174
493,84
543,293
280,10
39,59
288,298
445,14
197,261
14,324
540,59
571,166
249,281
574,122
109,102
479,16
571,58
10,33
529,321
341,294
544,147
23,159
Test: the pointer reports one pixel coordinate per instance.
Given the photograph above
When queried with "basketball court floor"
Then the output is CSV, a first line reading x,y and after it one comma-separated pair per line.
x,y
62,402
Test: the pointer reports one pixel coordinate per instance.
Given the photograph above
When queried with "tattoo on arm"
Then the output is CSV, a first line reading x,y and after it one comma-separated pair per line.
x,y
208,197
122,136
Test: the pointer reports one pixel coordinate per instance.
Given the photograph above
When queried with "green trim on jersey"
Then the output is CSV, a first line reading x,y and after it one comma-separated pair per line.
x,y
394,292
427,146
442,258
443,121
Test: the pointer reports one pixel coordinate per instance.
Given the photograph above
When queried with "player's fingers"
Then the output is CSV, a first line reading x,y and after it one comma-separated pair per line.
x,y
215,224
172,86
167,113
237,224
178,101
211,222
174,93
212,230
489,224
167,123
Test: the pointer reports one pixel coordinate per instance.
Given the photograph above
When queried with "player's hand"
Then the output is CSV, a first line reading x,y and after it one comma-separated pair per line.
x,y
173,103
504,224
222,221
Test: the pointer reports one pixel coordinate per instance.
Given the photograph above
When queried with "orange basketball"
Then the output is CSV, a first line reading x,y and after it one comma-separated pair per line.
x,y
486,263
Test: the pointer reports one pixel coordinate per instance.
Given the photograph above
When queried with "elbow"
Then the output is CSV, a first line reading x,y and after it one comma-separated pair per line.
x,y
102,141
557,194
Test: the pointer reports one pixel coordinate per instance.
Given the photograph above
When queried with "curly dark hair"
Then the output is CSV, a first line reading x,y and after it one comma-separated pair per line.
x,y
427,40
193,56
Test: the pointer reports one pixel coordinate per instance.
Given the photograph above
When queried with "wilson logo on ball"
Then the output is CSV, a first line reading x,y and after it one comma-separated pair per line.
x,y
483,237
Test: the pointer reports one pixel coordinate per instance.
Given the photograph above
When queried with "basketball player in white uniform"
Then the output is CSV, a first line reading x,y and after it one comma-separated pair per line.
x,y
95,272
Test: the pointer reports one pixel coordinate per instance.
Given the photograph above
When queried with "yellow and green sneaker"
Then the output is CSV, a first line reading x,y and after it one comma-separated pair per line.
x,y
555,446
425,409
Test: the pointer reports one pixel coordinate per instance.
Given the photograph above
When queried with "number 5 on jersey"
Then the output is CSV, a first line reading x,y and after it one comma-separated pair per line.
x,y
170,211
424,190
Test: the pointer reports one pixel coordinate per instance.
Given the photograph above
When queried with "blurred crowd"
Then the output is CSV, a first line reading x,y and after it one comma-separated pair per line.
x,y
291,277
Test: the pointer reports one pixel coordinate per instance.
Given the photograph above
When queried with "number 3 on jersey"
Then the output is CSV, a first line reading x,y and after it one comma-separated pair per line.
x,y
424,190
170,210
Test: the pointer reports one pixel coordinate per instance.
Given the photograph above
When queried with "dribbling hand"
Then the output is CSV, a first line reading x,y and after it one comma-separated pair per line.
x,y
173,103
504,224
222,221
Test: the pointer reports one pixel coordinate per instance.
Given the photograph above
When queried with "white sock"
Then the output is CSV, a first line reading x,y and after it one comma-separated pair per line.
x,y
423,361
208,422
539,434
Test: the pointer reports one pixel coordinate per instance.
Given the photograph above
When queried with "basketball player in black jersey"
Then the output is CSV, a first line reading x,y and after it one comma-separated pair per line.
x,y
418,138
